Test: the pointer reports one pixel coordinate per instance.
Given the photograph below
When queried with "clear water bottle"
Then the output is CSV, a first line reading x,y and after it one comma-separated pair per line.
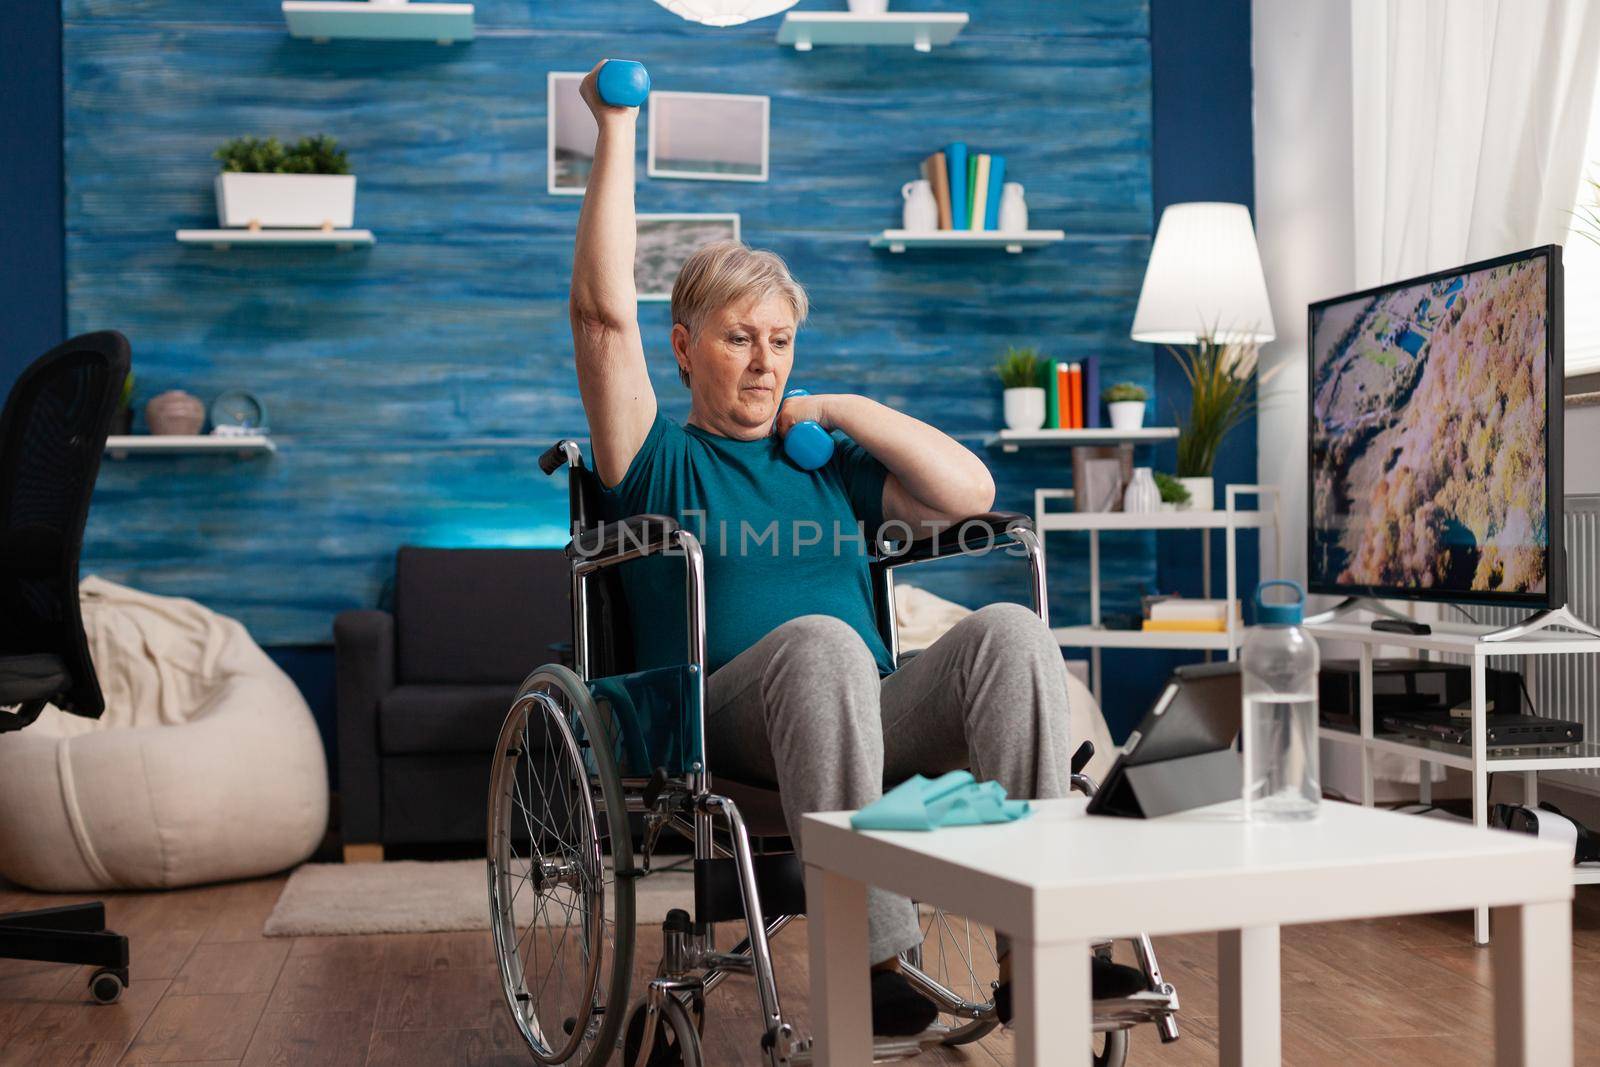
x,y
1282,780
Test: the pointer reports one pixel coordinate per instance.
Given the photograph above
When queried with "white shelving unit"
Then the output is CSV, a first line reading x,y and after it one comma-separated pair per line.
x,y
378,20
903,240
222,240
921,30
120,446
1465,641
1011,440
1231,519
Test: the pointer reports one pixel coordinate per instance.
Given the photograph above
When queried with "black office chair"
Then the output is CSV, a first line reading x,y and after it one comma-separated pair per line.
x,y
52,433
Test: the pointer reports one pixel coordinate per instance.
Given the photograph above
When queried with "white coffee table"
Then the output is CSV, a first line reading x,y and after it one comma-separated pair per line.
x,y
1059,879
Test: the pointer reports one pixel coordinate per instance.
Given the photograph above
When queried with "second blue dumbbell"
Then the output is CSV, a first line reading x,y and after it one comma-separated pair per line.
x,y
623,83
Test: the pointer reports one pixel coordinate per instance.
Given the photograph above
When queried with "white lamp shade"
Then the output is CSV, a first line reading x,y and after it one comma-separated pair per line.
x,y
1204,279
725,12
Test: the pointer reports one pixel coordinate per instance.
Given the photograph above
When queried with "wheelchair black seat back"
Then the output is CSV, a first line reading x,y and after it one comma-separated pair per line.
x,y
595,763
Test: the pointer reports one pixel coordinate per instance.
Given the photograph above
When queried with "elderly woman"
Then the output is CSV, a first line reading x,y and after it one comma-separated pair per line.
x,y
802,693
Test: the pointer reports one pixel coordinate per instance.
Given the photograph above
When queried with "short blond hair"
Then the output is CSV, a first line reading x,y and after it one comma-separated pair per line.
x,y
719,273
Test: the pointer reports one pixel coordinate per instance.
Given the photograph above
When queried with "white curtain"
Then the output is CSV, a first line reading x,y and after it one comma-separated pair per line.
x,y
1469,122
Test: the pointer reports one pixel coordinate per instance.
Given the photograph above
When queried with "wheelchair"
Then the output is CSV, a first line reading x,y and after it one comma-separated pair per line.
x,y
591,755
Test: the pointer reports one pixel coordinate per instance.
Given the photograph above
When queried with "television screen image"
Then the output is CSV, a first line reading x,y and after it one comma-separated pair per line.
x,y
1432,473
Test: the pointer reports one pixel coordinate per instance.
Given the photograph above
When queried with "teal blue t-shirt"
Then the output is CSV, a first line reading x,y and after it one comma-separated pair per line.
x,y
779,542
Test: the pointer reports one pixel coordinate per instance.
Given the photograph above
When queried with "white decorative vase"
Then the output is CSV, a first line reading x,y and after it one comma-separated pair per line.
x,y
1013,209
1202,493
287,200
1142,495
921,211
868,7
1126,414
1024,408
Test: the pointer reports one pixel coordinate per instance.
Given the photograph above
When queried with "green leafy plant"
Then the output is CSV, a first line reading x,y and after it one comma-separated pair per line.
x,y
310,155
126,396
1123,392
1588,215
1172,490
1019,368
1222,394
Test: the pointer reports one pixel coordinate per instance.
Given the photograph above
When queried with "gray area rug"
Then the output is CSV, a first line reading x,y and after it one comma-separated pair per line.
x,y
407,897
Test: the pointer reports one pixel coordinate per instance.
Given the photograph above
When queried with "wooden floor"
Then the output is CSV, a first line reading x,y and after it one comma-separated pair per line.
x,y
208,988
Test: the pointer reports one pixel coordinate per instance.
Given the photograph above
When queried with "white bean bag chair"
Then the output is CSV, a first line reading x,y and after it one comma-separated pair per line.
x,y
206,765
921,618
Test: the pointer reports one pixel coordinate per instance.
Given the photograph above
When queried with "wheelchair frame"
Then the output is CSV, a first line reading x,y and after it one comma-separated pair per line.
x,y
691,966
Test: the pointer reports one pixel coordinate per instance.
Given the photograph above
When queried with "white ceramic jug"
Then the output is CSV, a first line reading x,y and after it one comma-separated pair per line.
x,y
921,213
1013,209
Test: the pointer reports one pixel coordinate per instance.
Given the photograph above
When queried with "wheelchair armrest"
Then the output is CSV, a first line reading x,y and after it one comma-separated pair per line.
x,y
642,534
978,533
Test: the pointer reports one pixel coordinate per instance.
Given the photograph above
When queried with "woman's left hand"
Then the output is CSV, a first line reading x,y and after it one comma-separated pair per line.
x,y
823,409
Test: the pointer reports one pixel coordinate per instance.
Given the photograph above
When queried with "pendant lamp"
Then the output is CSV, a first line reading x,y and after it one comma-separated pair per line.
x,y
725,12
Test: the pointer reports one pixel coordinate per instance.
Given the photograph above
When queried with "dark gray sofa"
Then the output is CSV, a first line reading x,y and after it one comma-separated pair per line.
x,y
422,690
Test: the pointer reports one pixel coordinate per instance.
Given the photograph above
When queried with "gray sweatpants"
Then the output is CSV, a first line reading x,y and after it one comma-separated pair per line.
x,y
804,710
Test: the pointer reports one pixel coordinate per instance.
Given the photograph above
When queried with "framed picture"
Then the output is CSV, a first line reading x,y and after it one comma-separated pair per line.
x,y
665,241
570,134
719,137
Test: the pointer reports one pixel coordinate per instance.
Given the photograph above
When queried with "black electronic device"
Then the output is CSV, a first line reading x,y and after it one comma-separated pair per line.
x,y
1406,685
1501,730
1402,626
1182,754
1436,436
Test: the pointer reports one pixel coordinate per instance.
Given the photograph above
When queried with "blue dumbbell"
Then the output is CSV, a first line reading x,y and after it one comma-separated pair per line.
x,y
623,83
807,443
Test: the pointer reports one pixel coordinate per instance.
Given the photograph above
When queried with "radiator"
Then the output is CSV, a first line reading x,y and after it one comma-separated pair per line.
x,y
1567,687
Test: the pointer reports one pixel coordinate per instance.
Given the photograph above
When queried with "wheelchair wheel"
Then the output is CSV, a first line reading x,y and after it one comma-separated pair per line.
x,y
1114,1050
677,1042
959,957
558,833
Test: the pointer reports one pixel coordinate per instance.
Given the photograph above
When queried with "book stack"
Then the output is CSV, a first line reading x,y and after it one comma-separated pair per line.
x,y
1071,394
1184,615
966,186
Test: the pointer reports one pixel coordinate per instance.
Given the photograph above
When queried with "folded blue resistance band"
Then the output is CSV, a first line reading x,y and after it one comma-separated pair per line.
x,y
953,799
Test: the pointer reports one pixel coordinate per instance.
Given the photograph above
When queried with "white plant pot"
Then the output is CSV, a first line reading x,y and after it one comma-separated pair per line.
x,y
286,200
868,7
1024,408
1202,493
1126,414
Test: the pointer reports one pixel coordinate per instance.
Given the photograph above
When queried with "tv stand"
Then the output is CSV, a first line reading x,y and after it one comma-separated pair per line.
x,y
1352,604
1542,620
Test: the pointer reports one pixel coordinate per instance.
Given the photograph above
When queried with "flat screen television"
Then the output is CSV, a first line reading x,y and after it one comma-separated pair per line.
x,y
1435,468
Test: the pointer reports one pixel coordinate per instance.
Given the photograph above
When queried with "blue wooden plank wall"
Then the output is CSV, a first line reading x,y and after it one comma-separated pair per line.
x,y
411,385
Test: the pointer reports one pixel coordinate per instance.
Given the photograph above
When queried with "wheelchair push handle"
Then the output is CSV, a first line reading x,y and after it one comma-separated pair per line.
x,y
563,453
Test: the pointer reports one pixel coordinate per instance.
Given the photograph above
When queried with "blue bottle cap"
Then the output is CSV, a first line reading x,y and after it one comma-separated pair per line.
x,y
1291,614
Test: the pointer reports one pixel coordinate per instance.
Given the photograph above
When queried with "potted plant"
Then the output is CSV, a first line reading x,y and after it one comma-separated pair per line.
x,y
122,421
264,184
1174,496
1125,401
1023,396
1222,394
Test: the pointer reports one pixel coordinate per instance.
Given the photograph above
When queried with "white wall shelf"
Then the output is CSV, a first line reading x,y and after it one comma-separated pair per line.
x,y
121,446
1098,637
1011,440
378,20
903,240
1475,758
921,30
222,240
1153,520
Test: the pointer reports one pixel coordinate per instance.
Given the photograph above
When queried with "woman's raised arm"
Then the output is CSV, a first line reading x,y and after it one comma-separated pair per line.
x,y
612,377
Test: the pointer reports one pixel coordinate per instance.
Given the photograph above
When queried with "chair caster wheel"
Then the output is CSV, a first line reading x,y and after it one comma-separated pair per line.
x,y
677,1040
106,985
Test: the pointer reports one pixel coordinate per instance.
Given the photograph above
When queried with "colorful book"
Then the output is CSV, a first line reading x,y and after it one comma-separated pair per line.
x,y
972,186
1063,397
1052,407
1186,626
936,171
1075,393
980,191
956,156
1091,392
997,178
